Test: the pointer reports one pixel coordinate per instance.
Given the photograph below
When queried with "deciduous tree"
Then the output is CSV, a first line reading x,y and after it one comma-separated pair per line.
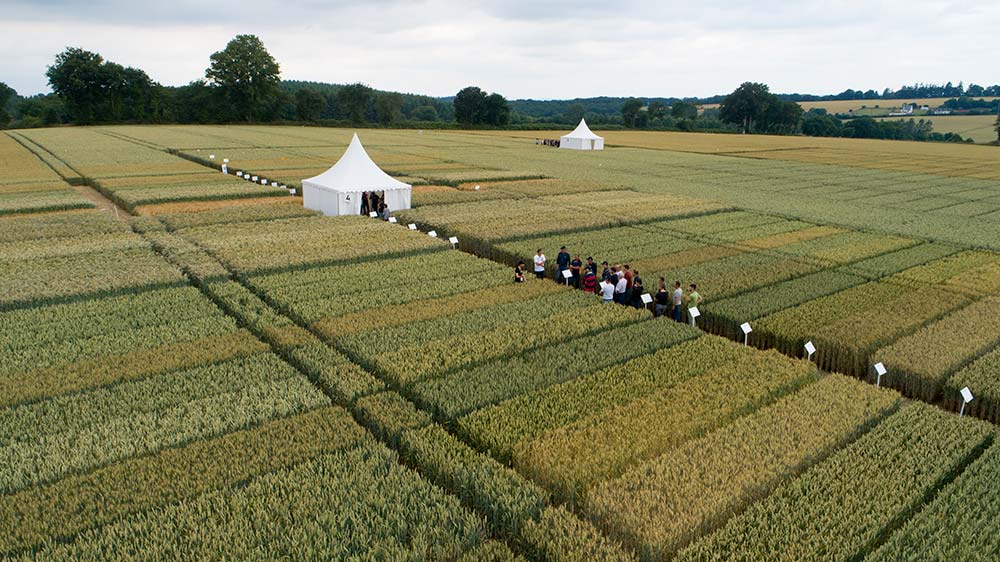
x,y
247,74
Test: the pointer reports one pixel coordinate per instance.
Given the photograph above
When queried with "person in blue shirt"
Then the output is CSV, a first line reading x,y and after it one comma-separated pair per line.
x,y
562,263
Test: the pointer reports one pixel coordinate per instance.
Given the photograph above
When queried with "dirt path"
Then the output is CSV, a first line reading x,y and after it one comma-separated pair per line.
x,y
102,202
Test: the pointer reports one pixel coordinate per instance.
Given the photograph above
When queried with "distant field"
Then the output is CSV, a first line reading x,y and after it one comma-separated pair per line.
x,y
844,106
980,128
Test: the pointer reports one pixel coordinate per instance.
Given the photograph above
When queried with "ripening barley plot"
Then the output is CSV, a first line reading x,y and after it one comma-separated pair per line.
x,y
570,459
99,156
982,375
78,503
921,362
280,245
838,509
665,503
460,392
48,440
361,503
52,350
322,293
628,375
960,524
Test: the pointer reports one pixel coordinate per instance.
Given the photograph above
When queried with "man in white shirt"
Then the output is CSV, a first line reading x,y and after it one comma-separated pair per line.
x,y
678,300
540,264
607,292
620,289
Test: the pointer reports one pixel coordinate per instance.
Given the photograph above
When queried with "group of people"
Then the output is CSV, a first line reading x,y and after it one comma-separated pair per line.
x,y
616,283
548,142
372,202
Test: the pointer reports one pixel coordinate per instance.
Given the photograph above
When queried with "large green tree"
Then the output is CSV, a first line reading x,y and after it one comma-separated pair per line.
x,y
469,104
630,111
248,76
495,110
388,107
353,100
309,104
683,110
78,77
6,94
746,105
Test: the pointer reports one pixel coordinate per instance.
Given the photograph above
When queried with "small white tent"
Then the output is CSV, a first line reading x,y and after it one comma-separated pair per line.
x,y
582,138
338,190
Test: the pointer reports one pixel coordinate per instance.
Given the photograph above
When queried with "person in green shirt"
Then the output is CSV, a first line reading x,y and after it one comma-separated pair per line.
x,y
694,299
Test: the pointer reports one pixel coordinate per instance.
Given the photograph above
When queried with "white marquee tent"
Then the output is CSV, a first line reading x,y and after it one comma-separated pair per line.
x,y
582,138
338,190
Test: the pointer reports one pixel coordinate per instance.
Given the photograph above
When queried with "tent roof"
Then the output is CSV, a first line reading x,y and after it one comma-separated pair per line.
x,y
354,172
582,131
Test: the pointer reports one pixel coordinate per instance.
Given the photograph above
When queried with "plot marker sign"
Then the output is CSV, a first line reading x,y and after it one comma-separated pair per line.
x,y
567,274
746,332
810,349
239,174
373,214
433,234
454,242
646,298
393,220
879,371
225,169
411,226
693,313
966,398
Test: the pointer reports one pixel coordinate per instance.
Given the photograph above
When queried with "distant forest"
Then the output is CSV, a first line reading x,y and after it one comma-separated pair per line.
x,y
243,84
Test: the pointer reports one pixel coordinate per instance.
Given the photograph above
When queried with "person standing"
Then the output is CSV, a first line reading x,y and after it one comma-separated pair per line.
x,y
576,268
519,272
607,291
562,264
678,300
621,290
365,209
591,266
694,299
662,299
606,273
589,281
540,264
373,201
636,296
628,275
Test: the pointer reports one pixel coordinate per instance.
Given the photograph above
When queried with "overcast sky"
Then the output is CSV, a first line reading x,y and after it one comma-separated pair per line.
x,y
539,49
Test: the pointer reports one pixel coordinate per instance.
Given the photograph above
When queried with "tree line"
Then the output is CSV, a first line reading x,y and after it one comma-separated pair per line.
x,y
241,84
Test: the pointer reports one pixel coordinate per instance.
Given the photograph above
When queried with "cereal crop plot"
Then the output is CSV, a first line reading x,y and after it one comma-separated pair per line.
x,y
909,455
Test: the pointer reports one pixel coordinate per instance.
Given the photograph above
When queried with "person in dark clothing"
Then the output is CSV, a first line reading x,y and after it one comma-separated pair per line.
x,y
576,268
519,272
373,201
606,273
636,295
591,266
365,208
562,264
661,302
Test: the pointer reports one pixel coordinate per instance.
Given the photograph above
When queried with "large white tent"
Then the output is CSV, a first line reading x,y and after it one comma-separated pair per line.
x,y
338,190
582,138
